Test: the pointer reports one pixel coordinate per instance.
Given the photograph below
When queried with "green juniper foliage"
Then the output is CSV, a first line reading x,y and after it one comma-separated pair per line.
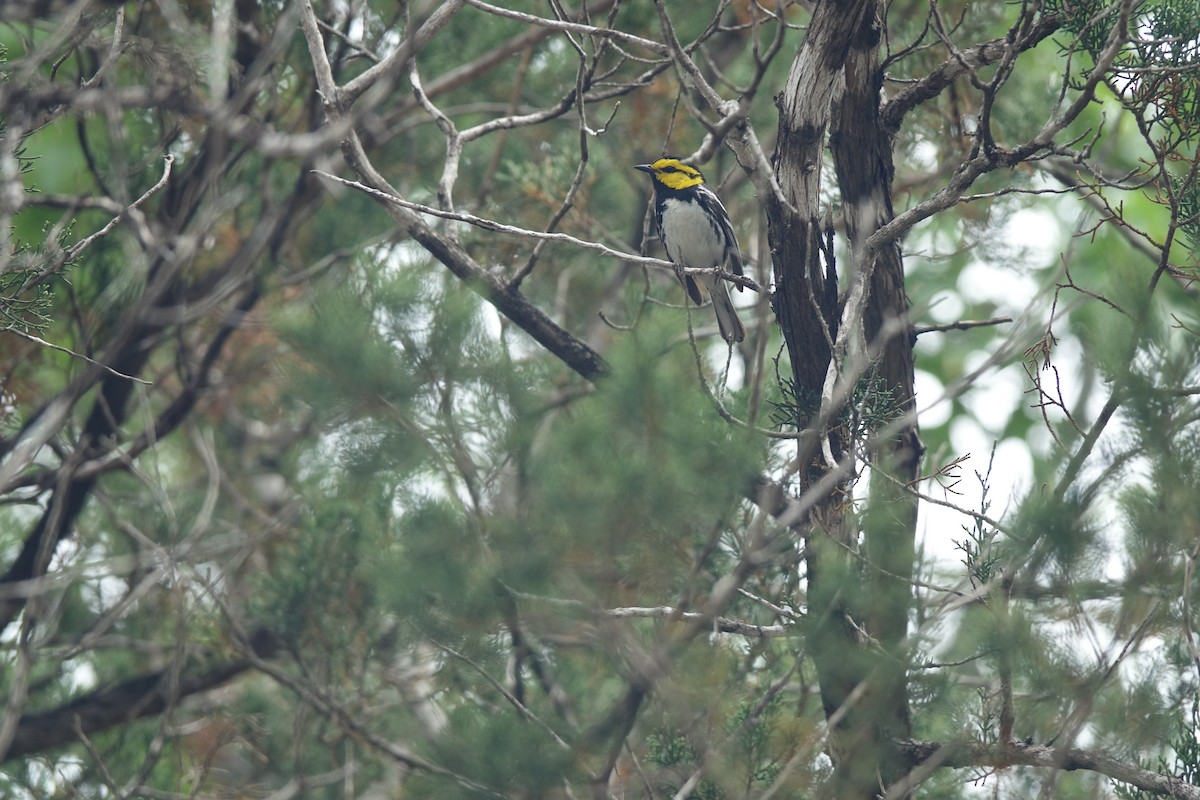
x,y
364,526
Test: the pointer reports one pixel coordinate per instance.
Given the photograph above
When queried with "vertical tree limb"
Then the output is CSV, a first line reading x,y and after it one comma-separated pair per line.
x,y
839,54
862,156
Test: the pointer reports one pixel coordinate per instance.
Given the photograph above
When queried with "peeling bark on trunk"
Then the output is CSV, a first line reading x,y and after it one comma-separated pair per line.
x,y
834,88
862,156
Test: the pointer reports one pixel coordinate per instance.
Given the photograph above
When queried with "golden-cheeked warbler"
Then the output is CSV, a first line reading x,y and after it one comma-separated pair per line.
x,y
695,231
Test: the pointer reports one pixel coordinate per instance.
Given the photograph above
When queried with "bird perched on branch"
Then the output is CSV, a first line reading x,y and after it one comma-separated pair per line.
x,y
695,230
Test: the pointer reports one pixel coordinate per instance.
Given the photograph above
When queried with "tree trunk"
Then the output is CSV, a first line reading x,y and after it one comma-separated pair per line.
x,y
834,85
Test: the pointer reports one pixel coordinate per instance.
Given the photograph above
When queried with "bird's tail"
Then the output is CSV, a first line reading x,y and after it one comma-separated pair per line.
x,y
728,320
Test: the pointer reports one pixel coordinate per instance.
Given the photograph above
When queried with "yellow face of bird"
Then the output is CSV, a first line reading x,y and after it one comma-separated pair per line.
x,y
673,173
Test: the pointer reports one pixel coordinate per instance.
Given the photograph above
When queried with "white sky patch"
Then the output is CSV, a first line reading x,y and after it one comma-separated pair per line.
x,y
1004,274
489,320
398,255
991,401
82,675
717,354
968,436
945,307
1004,285
541,60
1011,477
923,156
388,43
996,397
929,387
1017,479
63,772
1038,234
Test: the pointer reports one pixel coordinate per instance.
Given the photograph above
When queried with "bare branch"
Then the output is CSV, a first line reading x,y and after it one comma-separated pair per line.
x,y
39,341
104,709
1035,755
892,113
971,170
719,624
573,27
961,325
500,227
395,62
131,211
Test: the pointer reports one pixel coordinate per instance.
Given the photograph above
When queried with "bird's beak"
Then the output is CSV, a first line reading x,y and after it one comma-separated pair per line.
x,y
644,167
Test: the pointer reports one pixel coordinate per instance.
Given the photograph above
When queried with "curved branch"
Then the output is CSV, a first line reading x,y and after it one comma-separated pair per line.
x,y
892,113
572,351
950,754
394,63
571,27
103,709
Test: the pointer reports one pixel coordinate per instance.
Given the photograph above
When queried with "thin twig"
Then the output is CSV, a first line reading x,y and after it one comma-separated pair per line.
x,y
573,27
500,227
74,250
499,687
73,354
961,325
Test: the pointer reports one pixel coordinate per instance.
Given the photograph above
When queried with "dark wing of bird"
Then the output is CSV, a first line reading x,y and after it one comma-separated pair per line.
x,y
732,250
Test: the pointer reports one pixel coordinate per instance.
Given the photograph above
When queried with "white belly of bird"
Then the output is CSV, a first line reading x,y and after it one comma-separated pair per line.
x,y
691,238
